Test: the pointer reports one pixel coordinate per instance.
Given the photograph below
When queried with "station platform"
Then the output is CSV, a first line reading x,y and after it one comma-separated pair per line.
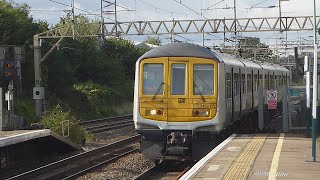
x,y
25,146
259,157
18,136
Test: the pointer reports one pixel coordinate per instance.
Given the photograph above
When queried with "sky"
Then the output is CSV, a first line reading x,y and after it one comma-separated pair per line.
x,y
140,10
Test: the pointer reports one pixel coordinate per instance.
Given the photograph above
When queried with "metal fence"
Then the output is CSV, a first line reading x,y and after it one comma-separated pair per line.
x,y
297,107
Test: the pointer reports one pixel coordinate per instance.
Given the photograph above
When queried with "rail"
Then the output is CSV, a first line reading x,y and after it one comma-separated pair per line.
x,y
76,165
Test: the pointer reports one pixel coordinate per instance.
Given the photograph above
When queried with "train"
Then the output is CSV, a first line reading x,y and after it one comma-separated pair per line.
x,y
186,94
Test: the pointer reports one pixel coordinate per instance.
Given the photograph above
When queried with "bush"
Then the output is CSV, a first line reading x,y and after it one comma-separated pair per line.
x,y
53,118
25,107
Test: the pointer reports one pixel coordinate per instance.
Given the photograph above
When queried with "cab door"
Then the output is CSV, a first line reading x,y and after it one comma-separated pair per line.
x,y
177,90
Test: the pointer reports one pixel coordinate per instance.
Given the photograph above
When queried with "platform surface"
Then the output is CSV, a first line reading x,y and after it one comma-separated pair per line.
x,y
259,157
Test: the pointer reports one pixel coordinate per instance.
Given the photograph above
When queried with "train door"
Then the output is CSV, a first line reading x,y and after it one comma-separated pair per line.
x,y
232,95
236,93
240,92
228,86
177,89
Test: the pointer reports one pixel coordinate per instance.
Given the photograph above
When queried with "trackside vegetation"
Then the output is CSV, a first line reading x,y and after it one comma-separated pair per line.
x,y
84,78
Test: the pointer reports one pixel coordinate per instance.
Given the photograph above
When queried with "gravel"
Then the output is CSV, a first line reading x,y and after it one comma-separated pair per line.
x,y
126,167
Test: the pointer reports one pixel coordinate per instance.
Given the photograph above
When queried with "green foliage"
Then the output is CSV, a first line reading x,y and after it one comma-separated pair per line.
x,y
24,107
86,76
95,93
53,119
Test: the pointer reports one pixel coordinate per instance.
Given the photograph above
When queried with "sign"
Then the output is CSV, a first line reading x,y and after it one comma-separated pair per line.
x,y
272,99
295,92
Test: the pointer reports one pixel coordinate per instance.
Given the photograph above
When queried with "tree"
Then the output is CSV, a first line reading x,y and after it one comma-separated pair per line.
x,y
16,26
251,48
154,41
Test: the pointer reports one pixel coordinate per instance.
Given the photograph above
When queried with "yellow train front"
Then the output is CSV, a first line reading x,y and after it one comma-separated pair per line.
x,y
176,100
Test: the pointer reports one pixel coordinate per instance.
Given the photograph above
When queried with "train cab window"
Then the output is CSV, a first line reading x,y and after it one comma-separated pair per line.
x,y
228,85
243,83
152,78
178,79
203,79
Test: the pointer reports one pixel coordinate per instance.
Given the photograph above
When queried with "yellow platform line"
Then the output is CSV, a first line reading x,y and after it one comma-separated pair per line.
x,y
276,158
242,165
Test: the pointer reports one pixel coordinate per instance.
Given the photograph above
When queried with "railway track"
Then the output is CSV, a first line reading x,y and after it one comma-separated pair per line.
x,y
74,166
107,124
167,169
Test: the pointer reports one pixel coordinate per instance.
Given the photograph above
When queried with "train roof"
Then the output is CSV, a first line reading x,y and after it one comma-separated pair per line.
x,y
228,59
180,50
280,68
251,64
267,66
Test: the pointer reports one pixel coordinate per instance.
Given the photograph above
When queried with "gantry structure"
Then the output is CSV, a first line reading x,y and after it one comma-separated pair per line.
x,y
169,27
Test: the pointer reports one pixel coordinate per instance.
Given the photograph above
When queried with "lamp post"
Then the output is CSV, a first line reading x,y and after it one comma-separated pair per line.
x,y
280,14
315,73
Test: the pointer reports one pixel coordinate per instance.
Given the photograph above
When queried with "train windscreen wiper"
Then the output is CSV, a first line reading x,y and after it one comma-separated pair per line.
x,y
158,90
200,93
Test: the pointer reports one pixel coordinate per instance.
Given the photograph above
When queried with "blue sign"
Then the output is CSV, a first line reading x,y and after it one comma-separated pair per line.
x,y
295,92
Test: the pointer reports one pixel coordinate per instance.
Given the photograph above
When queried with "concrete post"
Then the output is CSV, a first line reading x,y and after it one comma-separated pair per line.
x,y
37,72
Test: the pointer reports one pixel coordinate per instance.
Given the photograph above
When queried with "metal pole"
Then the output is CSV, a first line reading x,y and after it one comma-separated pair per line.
x,y
307,69
115,16
10,100
102,20
315,72
280,14
203,39
235,26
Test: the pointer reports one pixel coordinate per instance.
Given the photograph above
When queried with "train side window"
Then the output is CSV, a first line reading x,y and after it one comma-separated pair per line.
x,y
255,82
228,85
178,79
271,82
266,81
249,82
203,79
152,78
236,84
260,79
276,81
243,83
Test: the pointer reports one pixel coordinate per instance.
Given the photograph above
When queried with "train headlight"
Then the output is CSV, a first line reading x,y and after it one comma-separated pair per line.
x,y
201,112
153,112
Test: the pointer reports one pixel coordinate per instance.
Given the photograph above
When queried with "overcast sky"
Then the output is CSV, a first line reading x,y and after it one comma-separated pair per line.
x,y
52,10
